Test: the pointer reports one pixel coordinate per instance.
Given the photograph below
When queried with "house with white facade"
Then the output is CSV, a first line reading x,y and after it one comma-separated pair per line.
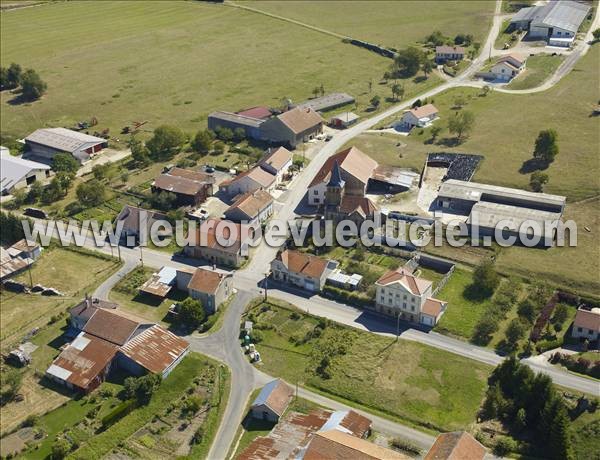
x,y
508,67
249,181
420,117
586,324
302,270
400,293
277,162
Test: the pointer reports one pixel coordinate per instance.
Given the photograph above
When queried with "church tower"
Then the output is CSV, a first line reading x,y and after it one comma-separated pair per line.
x,y
335,187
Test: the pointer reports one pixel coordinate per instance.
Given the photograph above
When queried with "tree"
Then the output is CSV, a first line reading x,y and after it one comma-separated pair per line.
x,y
546,147
165,201
375,101
494,404
387,76
316,91
459,101
225,134
408,61
60,449
3,78
52,192
436,38
19,197
528,310
537,181
596,34
11,384
397,91
166,142
13,76
239,134
461,124
485,278
65,162
559,447
202,141
141,388
514,332
485,90
427,67
139,152
219,147
484,330
435,132
520,420
35,192
191,313
32,86
91,193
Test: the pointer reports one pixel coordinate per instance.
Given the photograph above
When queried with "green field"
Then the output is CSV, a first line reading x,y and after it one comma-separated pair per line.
x,y
506,126
73,273
175,62
404,380
463,313
539,68
389,23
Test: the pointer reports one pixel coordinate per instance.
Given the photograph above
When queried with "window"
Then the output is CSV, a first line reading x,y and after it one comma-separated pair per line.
x,y
315,192
558,33
579,329
590,331
412,308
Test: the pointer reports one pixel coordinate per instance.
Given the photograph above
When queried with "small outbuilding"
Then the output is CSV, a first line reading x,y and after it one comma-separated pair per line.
x,y
343,120
272,401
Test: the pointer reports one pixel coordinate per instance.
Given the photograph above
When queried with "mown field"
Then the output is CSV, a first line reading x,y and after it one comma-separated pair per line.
x,y
71,272
403,379
175,62
539,68
389,23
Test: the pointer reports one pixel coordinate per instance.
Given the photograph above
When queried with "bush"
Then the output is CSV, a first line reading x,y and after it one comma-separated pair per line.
x,y
406,446
504,446
61,448
347,297
192,405
118,413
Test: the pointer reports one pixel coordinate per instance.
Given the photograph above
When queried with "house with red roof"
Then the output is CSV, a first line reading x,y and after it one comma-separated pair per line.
x,y
420,117
400,293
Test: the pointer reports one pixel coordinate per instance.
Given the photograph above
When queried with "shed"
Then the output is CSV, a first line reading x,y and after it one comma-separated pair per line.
x,y
343,120
272,401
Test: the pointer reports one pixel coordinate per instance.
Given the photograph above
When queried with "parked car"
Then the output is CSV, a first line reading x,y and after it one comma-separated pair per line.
x,y
35,212
209,169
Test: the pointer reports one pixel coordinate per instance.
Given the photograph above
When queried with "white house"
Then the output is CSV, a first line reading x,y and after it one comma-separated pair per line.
x,y
249,181
587,324
508,67
400,293
277,162
420,117
17,173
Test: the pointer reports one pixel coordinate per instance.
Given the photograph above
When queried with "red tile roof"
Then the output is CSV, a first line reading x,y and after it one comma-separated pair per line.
x,y
299,262
252,203
432,307
256,112
416,286
206,235
263,178
424,111
361,204
588,319
111,326
299,119
155,349
337,445
206,280
352,161
458,445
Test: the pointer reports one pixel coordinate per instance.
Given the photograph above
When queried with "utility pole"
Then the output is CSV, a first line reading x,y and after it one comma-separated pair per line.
x,y
141,256
266,284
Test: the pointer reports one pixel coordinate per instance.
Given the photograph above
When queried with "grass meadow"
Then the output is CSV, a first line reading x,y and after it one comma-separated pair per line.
x,y
177,61
539,68
405,380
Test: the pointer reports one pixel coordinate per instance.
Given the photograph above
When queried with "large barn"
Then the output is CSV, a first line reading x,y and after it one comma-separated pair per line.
x,y
44,143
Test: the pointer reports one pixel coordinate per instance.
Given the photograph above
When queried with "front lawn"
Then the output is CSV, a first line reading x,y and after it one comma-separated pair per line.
x,y
539,68
405,380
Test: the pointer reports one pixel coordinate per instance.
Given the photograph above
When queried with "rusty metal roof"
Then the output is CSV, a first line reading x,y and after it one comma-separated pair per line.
x,y
155,349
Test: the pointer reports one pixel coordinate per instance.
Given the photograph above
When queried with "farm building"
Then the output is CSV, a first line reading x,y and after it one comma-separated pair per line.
x,y
160,283
44,143
17,173
192,188
277,162
420,117
556,21
251,208
343,120
292,127
272,401
211,287
18,257
259,112
327,102
302,270
488,205
335,444
250,124
249,181
449,53
108,338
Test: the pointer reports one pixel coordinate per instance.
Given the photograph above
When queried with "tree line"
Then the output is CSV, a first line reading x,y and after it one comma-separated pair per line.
x,y
31,84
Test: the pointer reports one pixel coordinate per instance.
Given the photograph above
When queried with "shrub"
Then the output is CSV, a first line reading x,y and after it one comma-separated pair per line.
x,y
118,413
504,446
406,446
192,405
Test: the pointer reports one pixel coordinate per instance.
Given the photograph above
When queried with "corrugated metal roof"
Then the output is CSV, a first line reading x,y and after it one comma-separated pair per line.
x,y
327,101
63,139
237,118
14,169
565,15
